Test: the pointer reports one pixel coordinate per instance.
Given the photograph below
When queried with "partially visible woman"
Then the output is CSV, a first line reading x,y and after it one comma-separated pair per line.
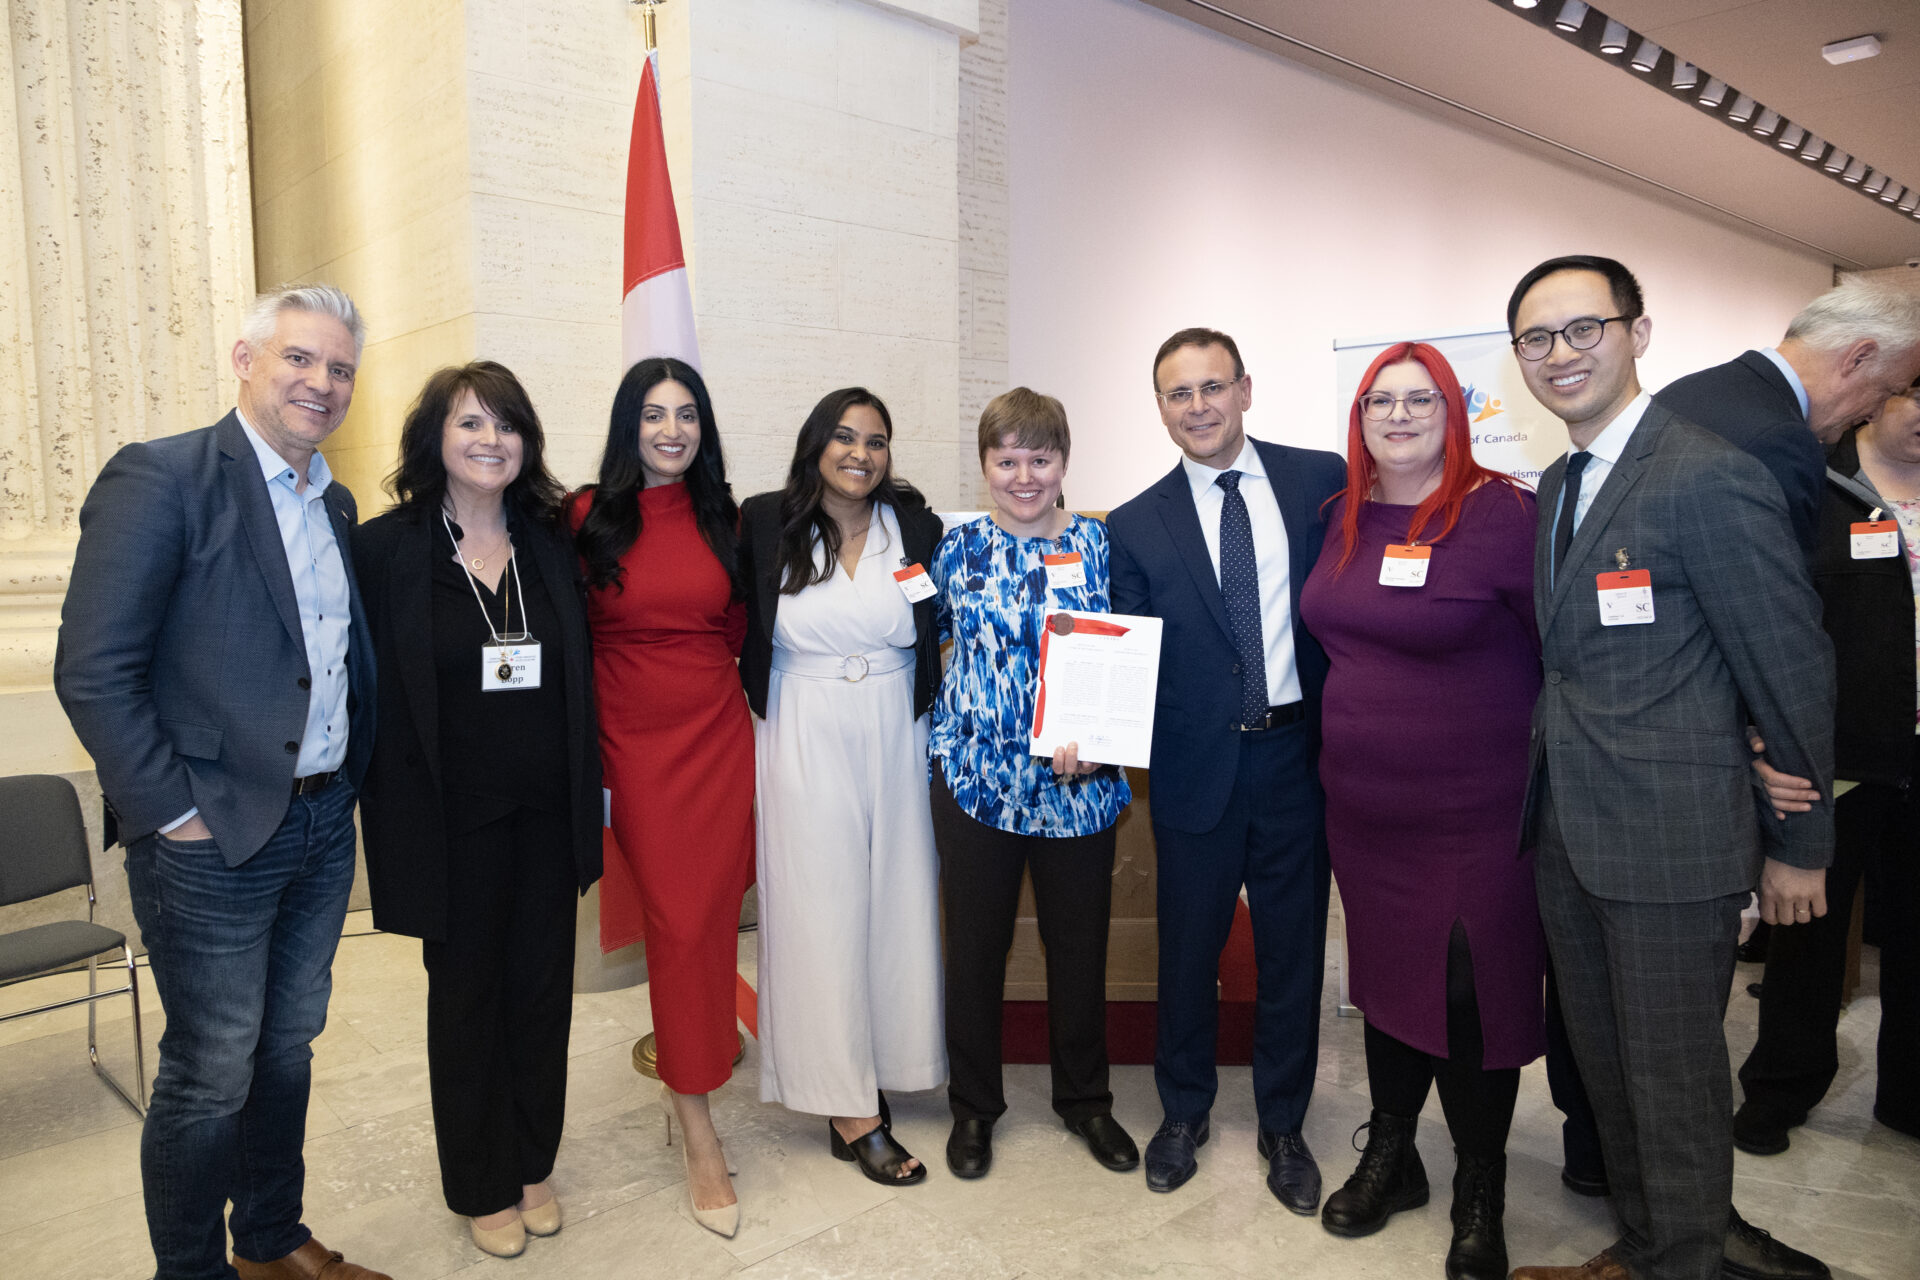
x,y
1424,603
841,661
481,812
999,811
659,538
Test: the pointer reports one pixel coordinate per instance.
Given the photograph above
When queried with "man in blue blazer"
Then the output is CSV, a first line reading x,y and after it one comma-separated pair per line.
x,y
1218,550
215,662
1850,349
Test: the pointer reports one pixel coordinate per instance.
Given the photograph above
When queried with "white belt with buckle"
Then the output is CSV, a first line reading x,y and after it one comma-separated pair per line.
x,y
853,668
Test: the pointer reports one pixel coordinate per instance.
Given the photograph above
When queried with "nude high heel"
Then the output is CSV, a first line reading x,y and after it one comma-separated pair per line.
x,y
724,1221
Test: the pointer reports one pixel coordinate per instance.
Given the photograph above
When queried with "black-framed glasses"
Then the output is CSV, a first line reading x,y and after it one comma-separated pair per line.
x,y
1583,334
1378,406
1211,392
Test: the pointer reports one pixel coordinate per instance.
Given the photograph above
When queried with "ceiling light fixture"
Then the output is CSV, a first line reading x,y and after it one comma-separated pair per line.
x,y
1685,75
1743,108
1813,150
1613,41
1789,139
1769,121
1646,57
1836,161
1714,94
1525,4
1893,192
1572,14
1876,181
1912,199
1842,51
1856,172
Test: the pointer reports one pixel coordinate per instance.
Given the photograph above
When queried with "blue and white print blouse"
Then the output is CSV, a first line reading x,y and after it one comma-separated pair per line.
x,y
993,598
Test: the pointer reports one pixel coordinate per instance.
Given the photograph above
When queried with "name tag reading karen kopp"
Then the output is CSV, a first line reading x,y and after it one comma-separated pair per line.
x,y
506,667
1405,566
1626,598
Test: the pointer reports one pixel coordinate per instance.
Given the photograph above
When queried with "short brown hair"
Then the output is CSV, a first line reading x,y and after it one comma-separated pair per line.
x,y
1032,420
1197,338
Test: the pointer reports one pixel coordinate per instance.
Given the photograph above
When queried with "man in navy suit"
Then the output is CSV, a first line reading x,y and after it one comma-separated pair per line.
x,y
1218,550
1850,349
215,662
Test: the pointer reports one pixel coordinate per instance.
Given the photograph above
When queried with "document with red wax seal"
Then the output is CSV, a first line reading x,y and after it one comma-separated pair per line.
x,y
1098,676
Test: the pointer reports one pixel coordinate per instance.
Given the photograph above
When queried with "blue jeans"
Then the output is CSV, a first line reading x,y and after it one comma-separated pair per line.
x,y
242,957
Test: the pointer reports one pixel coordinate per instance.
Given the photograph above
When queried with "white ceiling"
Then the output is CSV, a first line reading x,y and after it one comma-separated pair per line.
x,y
1490,60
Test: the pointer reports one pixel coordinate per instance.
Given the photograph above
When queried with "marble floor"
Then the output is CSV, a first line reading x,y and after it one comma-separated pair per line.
x,y
70,1206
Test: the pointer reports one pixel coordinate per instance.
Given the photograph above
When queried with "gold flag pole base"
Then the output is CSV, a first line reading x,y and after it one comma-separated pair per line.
x,y
646,1054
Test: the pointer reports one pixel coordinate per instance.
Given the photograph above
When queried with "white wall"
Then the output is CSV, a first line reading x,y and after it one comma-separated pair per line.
x,y
1163,176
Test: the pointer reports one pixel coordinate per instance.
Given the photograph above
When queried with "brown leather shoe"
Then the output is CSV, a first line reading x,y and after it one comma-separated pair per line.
x,y
1602,1266
311,1261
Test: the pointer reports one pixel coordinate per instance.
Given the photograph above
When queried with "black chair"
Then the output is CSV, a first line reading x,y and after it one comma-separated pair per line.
x,y
43,850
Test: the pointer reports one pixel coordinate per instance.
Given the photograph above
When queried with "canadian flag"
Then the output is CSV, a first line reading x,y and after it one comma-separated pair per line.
x,y
656,315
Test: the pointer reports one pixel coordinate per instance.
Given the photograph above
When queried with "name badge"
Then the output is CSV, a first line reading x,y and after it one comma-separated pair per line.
x,y
915,585
1405,566
1626,598
1064,571
506,667
1875,540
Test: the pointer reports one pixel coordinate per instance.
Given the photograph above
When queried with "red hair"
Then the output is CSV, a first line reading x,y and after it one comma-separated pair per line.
x,y
1459,475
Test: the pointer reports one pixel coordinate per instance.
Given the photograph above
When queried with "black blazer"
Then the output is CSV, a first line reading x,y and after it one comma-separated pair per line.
x,y
402,822
1868,614
1750,404
1161,568
760,570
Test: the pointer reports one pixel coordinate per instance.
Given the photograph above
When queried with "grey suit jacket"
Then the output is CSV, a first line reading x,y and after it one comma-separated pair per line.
x,y
181,661
1639,730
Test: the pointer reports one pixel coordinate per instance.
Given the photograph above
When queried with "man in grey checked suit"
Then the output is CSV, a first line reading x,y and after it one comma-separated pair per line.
x,y
1673,607
215,662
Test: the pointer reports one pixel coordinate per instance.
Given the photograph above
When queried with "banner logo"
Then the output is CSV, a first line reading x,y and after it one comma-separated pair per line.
x,y
1480,406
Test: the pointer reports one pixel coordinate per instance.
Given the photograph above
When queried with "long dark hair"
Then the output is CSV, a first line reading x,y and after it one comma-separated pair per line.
x,y
612,522
803,521
419,481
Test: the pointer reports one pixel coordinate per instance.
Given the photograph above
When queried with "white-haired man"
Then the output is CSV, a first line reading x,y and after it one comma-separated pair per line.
x,y
215,663
1842,356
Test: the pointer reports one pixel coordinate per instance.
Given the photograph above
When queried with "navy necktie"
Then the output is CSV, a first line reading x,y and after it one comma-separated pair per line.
x,y
1240,586
1569,499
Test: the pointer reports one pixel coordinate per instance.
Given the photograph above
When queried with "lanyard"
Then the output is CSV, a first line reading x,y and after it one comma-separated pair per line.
x,y
506,613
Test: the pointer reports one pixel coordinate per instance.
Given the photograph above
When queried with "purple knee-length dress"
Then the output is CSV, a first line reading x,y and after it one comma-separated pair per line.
x,y
1425,766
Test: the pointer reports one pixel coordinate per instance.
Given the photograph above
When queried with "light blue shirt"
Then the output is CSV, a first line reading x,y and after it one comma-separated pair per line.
x,y
320,587
1793,380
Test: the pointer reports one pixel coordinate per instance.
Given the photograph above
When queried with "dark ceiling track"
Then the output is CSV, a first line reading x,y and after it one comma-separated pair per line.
x,y
1832,255
1641,57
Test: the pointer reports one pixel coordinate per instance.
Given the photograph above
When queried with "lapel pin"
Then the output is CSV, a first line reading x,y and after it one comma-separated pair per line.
x,y
1622,559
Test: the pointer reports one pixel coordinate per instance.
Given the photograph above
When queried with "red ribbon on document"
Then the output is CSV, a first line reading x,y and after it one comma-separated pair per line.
x,y
1065,624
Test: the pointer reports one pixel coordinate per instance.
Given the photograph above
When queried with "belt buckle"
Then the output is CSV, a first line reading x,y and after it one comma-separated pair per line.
x,y
853,668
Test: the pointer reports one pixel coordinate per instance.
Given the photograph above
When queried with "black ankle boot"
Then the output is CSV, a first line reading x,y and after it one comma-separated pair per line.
x,y
1389,1178
1479,1250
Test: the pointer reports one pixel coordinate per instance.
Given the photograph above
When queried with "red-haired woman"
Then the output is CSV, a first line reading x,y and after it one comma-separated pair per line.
x,y
1423,598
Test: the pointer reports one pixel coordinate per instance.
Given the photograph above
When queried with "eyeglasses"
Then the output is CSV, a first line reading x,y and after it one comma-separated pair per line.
x,y
1583,334
1211,392
1378,406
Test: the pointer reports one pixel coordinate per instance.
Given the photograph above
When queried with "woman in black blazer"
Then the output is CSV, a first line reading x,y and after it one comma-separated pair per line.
x,y
840,665
481,811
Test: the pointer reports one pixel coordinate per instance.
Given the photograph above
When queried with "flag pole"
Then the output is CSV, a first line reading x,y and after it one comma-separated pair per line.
x,y
648,32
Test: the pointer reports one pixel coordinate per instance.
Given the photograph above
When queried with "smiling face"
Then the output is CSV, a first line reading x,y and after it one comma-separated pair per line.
x,y
1207,429
1023,485
855,459
481,452
1404,446
296,386
1584,389
669,433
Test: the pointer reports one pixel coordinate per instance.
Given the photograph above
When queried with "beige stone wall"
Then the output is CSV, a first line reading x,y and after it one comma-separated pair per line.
x,y
984,227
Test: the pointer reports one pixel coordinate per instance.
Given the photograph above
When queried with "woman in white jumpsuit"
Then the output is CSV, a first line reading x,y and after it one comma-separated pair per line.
x,y
841,664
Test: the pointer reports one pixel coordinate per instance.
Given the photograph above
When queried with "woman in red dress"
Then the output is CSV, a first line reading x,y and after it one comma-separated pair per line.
x,y
658,537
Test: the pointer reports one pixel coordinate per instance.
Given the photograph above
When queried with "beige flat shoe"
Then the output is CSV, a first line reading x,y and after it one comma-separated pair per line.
x,y
509,1241
542,1219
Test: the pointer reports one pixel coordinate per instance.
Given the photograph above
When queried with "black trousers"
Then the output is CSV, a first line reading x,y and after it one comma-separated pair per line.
x,y
1478,1103
980,869
1796,1056
499,1003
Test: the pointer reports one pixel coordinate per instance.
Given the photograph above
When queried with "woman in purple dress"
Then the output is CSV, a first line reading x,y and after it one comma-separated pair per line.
x,y
1423,598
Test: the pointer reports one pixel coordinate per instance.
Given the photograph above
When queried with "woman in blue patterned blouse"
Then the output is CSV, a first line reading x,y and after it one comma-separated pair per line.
x,y
998,810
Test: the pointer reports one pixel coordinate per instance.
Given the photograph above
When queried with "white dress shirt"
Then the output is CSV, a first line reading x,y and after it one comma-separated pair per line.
x,y
1269,554
1602,454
